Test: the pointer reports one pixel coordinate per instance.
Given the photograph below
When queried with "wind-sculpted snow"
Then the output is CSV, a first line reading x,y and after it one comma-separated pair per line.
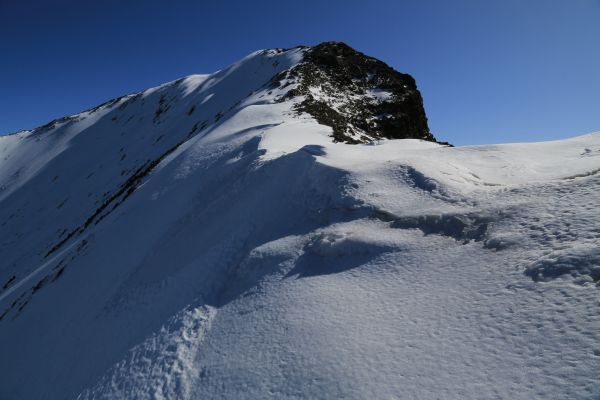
x,y
203,240
162,366
580,262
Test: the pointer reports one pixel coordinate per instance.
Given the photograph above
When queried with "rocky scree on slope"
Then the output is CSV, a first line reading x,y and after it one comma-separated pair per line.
x,y
361,98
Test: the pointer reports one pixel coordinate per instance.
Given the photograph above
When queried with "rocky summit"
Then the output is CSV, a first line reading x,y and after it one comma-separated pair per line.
x,y
361,98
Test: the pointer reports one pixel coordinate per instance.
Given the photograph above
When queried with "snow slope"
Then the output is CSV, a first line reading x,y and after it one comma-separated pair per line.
x,y
202,240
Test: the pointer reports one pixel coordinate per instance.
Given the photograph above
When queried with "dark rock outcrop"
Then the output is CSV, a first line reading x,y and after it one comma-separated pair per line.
x,y
361,98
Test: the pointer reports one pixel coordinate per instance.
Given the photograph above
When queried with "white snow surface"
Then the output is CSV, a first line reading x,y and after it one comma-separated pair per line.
x,y
256,259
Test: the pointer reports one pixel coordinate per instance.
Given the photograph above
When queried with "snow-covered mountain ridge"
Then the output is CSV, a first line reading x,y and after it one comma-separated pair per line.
x,y
216,237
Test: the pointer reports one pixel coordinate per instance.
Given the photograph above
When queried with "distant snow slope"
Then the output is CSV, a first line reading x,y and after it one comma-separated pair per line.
x,y
202,240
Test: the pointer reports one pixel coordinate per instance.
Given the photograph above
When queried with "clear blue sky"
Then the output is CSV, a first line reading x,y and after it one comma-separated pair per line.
x,y
489,71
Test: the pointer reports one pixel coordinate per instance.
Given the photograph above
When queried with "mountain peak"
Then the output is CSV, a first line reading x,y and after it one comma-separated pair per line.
x,y
361,98
214,237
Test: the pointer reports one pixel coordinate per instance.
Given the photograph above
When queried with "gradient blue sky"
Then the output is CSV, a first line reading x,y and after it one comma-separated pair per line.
x,y
489,71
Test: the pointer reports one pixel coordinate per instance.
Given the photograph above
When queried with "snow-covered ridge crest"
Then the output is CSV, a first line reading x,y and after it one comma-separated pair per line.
x,y
361,98
209,238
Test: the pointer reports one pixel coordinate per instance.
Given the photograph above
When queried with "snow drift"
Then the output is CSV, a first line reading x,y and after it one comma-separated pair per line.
x,y
217,237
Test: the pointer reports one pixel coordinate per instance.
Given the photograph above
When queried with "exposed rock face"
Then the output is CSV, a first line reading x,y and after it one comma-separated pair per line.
x,y
360,97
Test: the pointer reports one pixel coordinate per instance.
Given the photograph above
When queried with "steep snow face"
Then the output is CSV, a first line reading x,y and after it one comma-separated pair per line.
x,y
204,240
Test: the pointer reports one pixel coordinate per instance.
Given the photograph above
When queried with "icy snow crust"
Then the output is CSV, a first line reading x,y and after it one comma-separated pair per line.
x,y
248,256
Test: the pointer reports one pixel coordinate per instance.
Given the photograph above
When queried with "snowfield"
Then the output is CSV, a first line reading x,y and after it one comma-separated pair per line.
x,y
200,240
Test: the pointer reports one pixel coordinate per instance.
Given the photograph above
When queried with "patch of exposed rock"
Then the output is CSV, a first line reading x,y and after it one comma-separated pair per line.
x,y
361,98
